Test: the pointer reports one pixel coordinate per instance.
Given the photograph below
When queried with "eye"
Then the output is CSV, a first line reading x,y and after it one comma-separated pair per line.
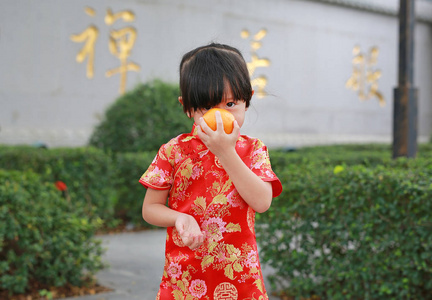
x,y
230,104
205,108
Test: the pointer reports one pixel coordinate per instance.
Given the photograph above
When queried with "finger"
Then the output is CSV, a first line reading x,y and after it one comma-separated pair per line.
x,y
201,239
219,122
236,129
202,136
204,127
185,235
191,243
197,242
187,240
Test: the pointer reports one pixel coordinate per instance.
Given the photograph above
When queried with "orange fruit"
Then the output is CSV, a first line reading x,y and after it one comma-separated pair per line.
x,y
227,119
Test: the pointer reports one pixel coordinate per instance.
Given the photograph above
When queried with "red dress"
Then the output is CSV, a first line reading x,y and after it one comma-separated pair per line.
x,y
226,266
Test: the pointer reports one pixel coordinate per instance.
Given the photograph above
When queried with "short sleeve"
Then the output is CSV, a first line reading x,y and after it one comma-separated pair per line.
x,y
159,175
260,165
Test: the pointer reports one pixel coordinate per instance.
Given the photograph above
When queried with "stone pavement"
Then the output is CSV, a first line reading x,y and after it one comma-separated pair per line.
x,y
135,266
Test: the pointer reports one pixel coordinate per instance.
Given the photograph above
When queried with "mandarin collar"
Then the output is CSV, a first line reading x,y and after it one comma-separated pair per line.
x,y
194,131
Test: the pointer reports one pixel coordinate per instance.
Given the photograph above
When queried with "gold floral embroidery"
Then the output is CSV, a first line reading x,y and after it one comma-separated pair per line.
x,y
176,238
251,219
217,163
199,206
186,173
222,256
188,138
181,281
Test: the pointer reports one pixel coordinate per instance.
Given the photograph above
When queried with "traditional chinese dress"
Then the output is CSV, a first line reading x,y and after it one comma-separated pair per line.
x,y
226,265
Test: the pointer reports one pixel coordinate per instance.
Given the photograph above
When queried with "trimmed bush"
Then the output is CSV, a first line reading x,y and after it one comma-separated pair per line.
x,y
130,193
142,119
354,154
42,237
97,184
351,232
87,172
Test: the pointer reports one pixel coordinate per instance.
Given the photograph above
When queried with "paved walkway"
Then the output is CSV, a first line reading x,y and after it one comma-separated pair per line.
x,y
136,263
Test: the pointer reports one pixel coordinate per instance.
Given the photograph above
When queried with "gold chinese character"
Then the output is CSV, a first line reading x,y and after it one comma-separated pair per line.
x,y
89,36
121,43
126,15
257,62
364,77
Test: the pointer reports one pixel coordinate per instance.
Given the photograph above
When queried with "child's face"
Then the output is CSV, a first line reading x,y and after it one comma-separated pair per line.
x,y
236,107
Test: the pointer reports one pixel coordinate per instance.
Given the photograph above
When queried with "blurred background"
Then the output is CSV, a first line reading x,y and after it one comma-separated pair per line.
x,y
323,70
351,223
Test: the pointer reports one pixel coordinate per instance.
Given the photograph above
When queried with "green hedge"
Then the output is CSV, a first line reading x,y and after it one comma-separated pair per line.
x,y
99,184
353,154
351,222
42,237
130,193
87,172
351,232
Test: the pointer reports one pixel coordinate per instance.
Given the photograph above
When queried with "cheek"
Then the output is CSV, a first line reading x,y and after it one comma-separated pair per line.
x,y
196,116
240,120
196,120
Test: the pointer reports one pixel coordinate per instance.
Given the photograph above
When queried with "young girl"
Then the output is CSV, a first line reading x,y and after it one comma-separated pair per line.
x,y
214,182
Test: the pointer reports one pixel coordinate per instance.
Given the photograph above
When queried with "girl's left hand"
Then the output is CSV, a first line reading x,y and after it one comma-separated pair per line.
x,y
189,231
218,142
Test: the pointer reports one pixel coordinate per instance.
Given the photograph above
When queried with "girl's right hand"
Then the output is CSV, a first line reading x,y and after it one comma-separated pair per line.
x,y
189,231
218,142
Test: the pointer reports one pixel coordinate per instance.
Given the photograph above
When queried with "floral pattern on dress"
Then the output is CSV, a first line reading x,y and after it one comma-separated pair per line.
x,y
227,263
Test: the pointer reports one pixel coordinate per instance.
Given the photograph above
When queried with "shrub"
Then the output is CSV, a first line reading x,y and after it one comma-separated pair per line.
x,y
354,154
97,184
87,172
142,119
42,238
129,168
352,232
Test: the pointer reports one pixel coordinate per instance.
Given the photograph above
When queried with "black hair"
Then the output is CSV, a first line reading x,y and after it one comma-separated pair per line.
x,y
206,70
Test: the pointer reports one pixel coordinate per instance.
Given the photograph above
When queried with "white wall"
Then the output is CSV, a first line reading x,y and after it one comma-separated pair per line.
x,y
46,96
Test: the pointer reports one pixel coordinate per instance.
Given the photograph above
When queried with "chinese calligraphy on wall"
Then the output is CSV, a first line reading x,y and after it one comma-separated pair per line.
x,y
364,78
256,62
121,42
